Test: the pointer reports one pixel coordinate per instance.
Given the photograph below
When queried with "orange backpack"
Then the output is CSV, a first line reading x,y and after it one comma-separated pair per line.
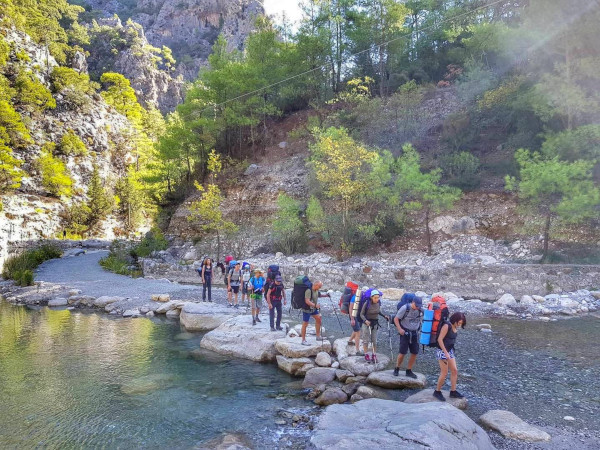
x,y
440,315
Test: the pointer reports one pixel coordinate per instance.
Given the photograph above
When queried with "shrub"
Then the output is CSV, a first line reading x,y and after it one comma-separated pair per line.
x,y
55,176
75,87
288,229
461,170
71,144
20,267
153,241
32,94
12,128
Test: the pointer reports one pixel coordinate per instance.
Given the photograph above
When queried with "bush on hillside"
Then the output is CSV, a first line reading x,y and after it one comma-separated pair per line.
x,y
71,144
153,241
55,176
461,169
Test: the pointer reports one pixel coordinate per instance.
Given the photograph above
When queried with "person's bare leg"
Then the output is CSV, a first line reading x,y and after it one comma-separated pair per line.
x,y
318,326
453,374
443,374
400,360
303,331
411,361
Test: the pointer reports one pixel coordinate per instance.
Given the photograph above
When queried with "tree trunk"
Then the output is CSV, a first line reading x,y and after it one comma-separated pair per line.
x,y
546,237
428,232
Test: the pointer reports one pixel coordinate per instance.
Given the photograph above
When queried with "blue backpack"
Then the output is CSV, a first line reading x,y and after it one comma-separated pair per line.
x,y
406,299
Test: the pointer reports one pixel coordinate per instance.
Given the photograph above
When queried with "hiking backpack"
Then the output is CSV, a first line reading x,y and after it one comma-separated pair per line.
x,y
349,292
440,315
273,271
406,299
232,264
301,284
364,298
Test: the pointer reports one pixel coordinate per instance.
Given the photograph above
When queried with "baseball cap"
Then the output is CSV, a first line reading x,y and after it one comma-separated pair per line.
x,y
418,301
278,278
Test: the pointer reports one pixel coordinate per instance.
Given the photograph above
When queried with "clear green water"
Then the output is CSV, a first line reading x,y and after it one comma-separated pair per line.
x,y
73,380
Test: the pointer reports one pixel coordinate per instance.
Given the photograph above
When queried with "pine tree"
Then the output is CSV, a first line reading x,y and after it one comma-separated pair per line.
x,y
99,201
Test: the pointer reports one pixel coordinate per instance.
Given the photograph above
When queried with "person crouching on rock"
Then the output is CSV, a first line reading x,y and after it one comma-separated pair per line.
x,y
206,275
369,314
311,309
445,355
257,285
274,296
408,323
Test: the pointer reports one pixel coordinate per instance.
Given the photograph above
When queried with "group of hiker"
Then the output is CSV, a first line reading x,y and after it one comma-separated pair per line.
x,y
433,327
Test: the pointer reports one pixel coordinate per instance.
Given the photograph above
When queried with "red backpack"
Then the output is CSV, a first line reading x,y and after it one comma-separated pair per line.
x,y
349,291
440,315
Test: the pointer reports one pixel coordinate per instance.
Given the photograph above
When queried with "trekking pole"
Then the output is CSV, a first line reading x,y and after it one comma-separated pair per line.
x,y
390,338
335,312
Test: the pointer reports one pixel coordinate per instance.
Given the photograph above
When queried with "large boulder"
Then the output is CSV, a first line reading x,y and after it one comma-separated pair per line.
x,y
386,379
323,359
392,293
364,392
101,302
374,423
358,366
426,396
59,301
317,376
342,349
330,396
511,426
506,300
293,348
237,337
292,365
204,316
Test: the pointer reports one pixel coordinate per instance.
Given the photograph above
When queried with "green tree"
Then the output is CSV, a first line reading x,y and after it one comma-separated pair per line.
x,y
416,190
71,144
12,128
131,200
10,172
555,189
207,210
99,201
121,96
288,230
76,88
31,94
55,175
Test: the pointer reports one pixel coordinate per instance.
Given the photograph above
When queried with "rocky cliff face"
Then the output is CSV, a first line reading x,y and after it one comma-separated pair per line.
x,y
188,27
30,213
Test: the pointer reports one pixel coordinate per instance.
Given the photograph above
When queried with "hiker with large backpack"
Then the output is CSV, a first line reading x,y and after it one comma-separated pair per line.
x,y
311,309
445,355
347,302
205,273
275,294
272,272
369,314
226,268
234,279
257,285
246,274
408,322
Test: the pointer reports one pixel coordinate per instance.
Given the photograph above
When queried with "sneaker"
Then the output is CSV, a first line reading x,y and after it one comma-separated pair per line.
x,y
236,306
456,394
272,329
229,305
374,358
350,342
359,353
257,319
367,357
410,374
253,322
279,329
305,342
439,396
397,371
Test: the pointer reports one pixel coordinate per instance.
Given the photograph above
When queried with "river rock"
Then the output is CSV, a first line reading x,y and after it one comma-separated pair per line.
x,y
304,369
358,366
162,309
511,426
292,365
146,384
161,298
374,423
239,338
293,348
335,364
568,303
538,298
230,441
386,379
364,392
392,293
101,302
73,292
204,316
150,314
426,396
330,396
323,359
318,375
132,313
342,375
173,314
595,294
527,300
350,389
342,349
483,326
506,300
58,302
84,300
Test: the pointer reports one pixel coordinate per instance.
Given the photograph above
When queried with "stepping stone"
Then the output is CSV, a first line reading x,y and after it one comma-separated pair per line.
x,y
292,365
342,349
386,379
358,366
317,376
511,426
293,348
205,316
58,302
426,396
332,395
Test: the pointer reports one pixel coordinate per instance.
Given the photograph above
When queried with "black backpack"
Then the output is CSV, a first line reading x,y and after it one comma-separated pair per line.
x,y
273,271
301,284
345,301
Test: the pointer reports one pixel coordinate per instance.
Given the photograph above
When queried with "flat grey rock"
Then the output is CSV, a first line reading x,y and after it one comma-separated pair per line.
x,y
383,424
292,346
58,302
358,366
386,379
426,396
317,376
292,365
204,316
511,426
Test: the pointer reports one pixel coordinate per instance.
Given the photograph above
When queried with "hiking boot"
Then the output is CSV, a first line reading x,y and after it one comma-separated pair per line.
x,y
305,342
272,329
350,342
397,371
279,329
229,305
439,396
456,394
367,357
253,322
410,374
257,319
236,306
374,358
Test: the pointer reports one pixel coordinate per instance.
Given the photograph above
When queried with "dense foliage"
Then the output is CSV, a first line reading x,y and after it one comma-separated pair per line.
x,y
20,267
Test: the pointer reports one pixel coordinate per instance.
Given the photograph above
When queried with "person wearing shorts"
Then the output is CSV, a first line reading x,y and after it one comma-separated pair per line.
x,y
356,325
257,285
234,280
311,309
408,322
246,273
445,355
